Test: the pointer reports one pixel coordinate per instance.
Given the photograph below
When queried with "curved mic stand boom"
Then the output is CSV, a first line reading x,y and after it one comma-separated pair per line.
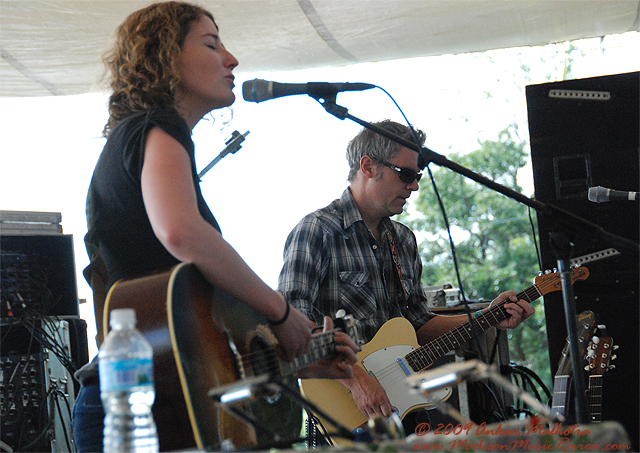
x,y
560,241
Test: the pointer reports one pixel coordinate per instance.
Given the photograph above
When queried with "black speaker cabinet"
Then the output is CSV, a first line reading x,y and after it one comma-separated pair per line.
x,y
585,133
38,282
39,271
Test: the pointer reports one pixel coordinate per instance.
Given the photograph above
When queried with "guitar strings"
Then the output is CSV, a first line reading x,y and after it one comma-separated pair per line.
x,y
440,346
319,341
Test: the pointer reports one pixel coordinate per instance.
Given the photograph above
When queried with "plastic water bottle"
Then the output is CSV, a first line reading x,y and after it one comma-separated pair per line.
x,y
126,387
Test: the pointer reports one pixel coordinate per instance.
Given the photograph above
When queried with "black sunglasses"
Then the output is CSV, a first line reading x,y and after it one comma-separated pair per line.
x,y
405,174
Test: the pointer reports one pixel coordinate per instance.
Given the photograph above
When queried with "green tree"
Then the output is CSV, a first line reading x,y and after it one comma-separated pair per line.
x,y
494,235
495,247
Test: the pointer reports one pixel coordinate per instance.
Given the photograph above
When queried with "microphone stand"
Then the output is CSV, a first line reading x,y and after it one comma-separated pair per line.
x,y
560,240
233,145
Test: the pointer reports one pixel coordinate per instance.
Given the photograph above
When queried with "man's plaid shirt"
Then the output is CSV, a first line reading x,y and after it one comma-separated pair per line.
x,y
332,262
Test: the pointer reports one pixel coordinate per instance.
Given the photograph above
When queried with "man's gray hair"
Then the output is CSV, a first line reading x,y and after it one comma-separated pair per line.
x,y
377,146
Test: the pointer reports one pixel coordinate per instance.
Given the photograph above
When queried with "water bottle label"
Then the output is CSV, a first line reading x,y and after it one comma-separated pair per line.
x,y
124,374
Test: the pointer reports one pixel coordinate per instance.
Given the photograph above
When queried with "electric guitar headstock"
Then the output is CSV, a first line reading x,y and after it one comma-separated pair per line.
x,y
552,281
347,323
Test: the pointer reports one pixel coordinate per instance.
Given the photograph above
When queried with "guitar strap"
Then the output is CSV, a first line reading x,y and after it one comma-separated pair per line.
x,y
396,261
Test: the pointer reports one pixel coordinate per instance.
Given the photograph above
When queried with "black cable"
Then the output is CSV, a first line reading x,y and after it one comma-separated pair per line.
x,y
53,340
523,382
312,418
535,240
494,397
533,376
465,302
59,394
56,342
528,386
45,430
494,349
527,378
33,324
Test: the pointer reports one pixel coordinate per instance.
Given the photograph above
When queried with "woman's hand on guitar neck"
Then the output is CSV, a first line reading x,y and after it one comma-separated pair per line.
x,y
368,394
293,335
340,365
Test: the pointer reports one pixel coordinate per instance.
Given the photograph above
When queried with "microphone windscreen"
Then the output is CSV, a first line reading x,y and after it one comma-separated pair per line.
x,y
256,90
597,194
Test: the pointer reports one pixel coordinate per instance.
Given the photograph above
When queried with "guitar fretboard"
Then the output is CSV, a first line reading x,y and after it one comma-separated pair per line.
x,y
560,395
322,346
422,357
598,365
595,398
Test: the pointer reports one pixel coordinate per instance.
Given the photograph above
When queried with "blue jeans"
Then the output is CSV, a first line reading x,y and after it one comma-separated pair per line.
x,y
88,420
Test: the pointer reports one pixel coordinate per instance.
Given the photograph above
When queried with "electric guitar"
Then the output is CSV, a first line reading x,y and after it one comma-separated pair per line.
x,y
600,354
394,354
203,338
586,326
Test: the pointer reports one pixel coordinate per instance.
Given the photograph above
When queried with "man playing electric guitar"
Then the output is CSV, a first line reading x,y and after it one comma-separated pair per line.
x,y
350,255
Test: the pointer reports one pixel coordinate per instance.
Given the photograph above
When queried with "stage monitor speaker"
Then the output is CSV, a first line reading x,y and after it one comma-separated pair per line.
x,y
585,133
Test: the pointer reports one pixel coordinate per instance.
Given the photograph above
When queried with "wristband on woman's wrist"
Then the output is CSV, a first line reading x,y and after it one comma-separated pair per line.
x,y
284,317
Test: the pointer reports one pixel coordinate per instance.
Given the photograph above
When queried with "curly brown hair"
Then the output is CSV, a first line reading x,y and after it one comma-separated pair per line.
x,y
142,63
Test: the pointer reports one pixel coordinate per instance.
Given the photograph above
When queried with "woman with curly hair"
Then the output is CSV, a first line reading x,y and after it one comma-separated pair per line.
x,y
168,68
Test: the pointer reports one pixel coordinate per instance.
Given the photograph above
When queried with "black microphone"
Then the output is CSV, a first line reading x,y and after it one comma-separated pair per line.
x,y
599,194
258,90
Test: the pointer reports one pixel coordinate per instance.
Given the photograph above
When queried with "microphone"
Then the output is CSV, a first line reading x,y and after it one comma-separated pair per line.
x,y
258,90
599,194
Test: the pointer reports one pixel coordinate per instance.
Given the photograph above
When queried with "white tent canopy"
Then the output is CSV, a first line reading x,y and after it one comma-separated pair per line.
x,y
53,47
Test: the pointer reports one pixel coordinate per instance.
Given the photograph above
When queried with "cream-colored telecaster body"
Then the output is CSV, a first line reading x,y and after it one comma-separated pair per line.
x,y
393,354
384,358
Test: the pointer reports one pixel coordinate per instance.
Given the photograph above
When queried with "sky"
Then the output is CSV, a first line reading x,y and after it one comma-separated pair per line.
x,y
293,160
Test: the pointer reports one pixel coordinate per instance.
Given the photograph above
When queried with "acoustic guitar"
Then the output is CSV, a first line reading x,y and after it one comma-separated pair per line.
x,y
586,326
202,339
394,354
600,356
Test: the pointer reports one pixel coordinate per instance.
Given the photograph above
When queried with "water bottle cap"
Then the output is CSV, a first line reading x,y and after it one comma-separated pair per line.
x,y
123,316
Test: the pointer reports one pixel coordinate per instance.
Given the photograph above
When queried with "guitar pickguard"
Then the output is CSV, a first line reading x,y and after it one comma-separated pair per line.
x,y
389,367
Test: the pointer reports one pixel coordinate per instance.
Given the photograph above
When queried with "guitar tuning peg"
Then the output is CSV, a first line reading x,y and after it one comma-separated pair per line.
x,y
547,271
591,353
555,270
615,346
613,357
341,313
586,368
601,326
595,340
612,367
